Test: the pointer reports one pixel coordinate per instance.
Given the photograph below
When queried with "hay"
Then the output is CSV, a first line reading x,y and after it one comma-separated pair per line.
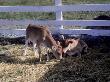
x,y
91,67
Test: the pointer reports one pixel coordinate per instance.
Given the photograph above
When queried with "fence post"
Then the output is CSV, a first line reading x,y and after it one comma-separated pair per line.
x,y
59,14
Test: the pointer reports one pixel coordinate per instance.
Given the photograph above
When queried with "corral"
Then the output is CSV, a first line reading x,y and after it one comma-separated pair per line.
x,y
91,67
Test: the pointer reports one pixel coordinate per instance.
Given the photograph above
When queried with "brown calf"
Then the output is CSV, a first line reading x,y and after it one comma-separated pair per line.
x,y
40,35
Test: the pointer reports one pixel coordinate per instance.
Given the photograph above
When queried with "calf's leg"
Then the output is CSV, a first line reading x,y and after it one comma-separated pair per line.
x,y
26,46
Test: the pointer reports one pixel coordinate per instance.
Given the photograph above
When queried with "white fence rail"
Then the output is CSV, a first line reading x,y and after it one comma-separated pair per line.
x,y
63,8
21,32
59,22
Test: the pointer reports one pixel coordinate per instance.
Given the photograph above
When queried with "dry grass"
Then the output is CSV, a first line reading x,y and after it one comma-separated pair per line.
x,y
92,67
14,69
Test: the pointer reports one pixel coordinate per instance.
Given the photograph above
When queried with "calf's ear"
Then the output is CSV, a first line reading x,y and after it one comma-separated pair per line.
x,y
78,39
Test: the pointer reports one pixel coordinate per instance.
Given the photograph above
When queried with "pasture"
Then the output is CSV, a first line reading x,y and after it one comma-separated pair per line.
x,y
14,67
49,15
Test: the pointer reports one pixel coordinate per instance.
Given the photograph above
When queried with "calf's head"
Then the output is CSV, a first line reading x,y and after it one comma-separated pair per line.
x,y
57,50
70,44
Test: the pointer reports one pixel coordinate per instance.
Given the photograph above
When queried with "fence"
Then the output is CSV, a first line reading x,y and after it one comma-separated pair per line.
x,y
59,22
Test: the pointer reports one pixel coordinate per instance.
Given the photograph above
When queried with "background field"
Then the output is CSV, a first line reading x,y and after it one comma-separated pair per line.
x,y
91,67
49,2
49,15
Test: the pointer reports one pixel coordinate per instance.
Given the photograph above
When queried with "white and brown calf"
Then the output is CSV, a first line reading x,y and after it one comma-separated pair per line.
x,y
74,46
40,35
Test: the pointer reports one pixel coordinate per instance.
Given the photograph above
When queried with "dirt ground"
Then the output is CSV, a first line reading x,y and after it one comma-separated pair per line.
x,y
91,67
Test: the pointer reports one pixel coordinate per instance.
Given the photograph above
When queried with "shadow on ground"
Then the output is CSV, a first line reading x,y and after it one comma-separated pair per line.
x,y
93,67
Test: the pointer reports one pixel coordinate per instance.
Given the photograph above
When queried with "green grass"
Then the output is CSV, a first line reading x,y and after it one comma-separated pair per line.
x,y
27,15
26,2
85,1
83,15
51,16
48,2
